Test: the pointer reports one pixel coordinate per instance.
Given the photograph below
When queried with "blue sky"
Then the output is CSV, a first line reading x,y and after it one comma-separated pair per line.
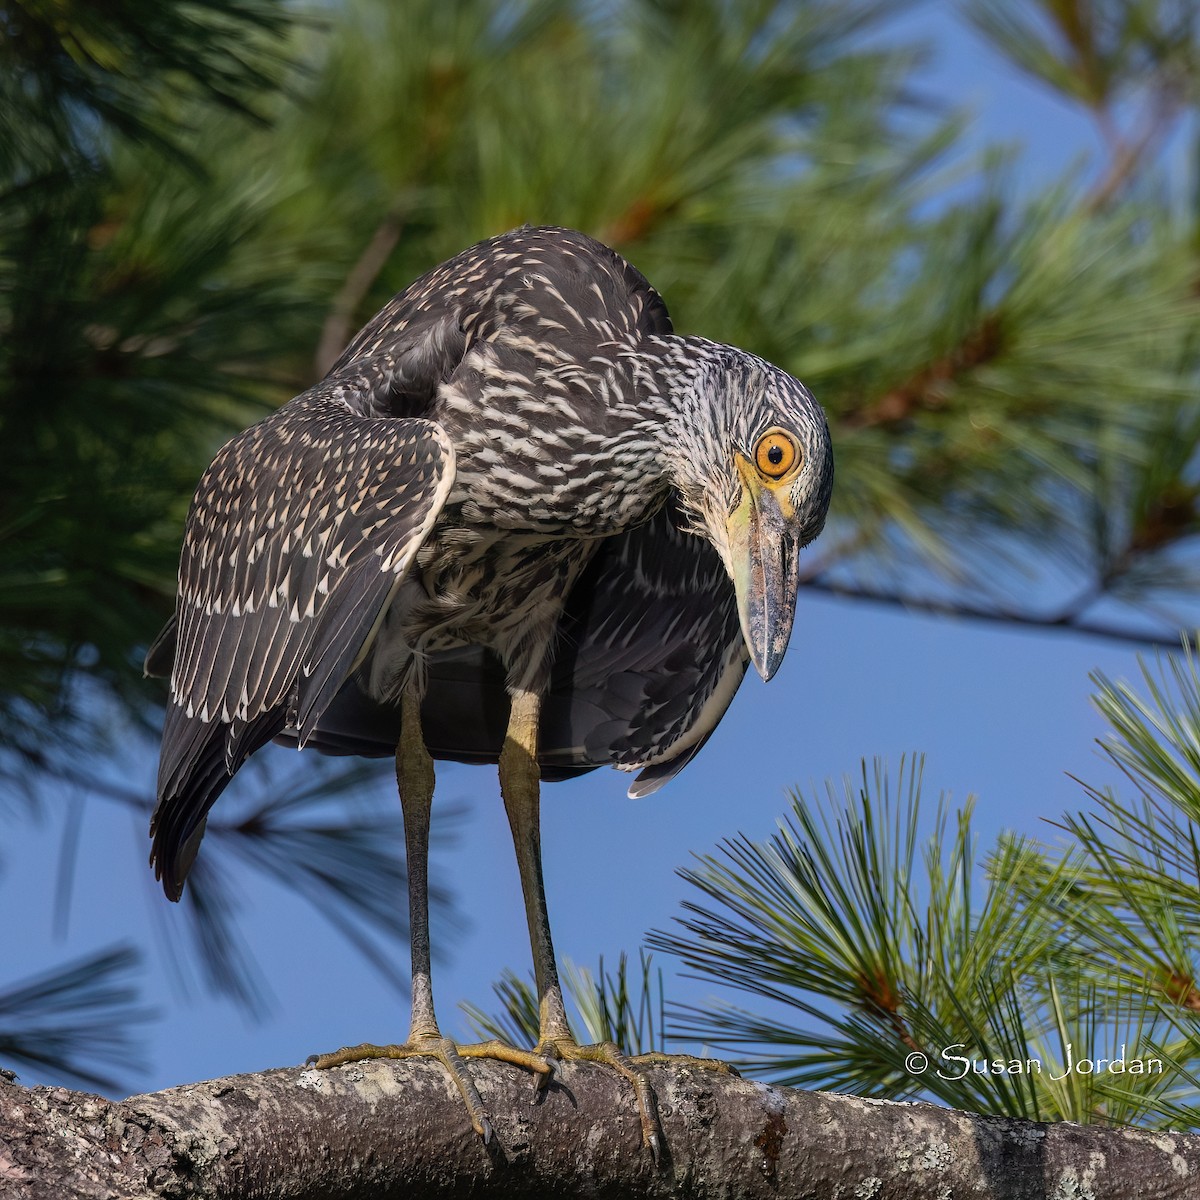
x,y
1003,714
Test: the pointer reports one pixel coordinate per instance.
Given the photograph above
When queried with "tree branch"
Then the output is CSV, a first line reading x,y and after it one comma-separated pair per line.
x,y
1069,619
1126,154
398,1128
926,388
339,324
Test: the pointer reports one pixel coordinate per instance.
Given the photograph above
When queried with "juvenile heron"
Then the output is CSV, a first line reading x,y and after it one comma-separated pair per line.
x,y
519,522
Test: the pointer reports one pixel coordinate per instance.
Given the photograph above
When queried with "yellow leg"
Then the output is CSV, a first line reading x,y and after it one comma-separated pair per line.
x,y
414,774
520,786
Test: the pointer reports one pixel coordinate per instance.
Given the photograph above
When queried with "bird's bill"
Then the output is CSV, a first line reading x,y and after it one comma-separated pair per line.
x,y
762,562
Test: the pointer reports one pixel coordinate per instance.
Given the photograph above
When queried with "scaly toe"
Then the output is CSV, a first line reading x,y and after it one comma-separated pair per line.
x,y
531,1060
432,1046
610,1055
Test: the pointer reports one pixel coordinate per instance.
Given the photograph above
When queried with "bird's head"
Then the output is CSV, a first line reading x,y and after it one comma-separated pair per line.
x,y
756,482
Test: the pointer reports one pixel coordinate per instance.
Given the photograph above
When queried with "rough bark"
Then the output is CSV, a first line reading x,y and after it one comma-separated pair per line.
x,y
383,1129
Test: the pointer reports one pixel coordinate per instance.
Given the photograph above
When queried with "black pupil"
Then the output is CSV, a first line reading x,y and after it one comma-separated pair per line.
x,y
775,455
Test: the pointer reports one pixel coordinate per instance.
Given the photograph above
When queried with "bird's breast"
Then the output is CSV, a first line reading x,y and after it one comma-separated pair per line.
x,y
500,590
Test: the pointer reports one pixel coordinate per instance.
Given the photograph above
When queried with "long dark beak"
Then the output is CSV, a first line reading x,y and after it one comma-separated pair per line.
x,y
762,561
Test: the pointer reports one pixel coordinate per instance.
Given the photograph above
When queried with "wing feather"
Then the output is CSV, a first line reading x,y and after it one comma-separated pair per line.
x,y
299,532
651,655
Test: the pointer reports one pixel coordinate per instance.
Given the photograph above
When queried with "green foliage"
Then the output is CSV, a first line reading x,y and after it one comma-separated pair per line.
x,y
126,333
615,1007
73,72
874,935
892,964
1097,53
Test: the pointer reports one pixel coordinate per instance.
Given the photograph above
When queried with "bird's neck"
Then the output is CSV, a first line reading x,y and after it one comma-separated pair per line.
x,y
678,392
675,381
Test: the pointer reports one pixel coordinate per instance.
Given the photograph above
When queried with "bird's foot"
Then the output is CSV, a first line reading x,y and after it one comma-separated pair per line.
x,y
566,1049
451,1056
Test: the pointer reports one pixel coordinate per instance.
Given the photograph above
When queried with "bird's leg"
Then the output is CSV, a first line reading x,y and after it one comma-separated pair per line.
x,y
414,774
520,786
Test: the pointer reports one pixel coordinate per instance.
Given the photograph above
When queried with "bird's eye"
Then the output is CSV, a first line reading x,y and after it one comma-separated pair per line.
x,y
776,454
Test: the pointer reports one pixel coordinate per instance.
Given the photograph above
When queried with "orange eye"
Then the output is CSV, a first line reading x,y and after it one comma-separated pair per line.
x,y
776,454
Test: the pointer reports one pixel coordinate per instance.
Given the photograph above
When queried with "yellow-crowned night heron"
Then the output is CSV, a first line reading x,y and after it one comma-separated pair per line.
x,y
520,521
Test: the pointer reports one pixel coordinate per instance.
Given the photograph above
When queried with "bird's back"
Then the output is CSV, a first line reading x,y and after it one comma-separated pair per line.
x,y
550,284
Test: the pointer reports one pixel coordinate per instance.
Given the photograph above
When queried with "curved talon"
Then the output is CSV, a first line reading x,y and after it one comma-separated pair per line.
x,y
609,1054
541,1083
